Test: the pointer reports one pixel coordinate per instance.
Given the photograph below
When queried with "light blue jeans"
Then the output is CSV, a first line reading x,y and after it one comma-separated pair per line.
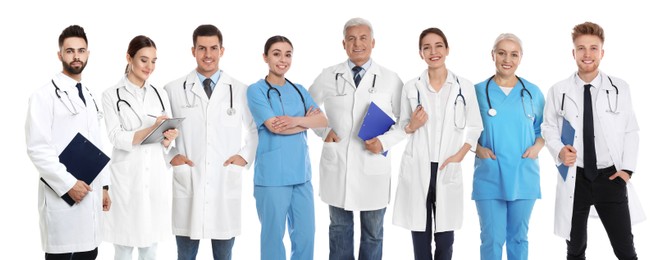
x,y
187,248
341,229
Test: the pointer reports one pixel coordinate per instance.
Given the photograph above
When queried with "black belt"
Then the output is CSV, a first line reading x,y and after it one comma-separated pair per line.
x,y
610,169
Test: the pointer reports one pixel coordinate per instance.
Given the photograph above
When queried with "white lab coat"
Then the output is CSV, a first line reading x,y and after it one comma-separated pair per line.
x,y
207,197
621,135
351,177
50,126
410,200
140,178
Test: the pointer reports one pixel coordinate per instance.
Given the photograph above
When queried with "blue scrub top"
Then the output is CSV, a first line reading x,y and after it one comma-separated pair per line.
x,y
508,135
280,159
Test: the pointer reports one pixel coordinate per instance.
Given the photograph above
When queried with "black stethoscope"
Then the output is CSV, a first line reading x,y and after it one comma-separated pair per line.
x,y
492,111
280,99
457,101
230,110
120,100
343,86
73,110
607,94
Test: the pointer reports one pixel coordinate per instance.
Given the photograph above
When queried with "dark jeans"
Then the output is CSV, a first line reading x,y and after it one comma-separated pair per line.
x,y
611,202
88,255
422,240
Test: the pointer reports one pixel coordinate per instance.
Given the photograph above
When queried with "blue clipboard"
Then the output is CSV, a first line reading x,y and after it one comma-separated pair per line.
x,y
83,160
376,122
567,137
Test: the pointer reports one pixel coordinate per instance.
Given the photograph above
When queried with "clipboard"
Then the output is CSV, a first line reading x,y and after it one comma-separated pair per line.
x,y
83,160
376,122
567,137
156,135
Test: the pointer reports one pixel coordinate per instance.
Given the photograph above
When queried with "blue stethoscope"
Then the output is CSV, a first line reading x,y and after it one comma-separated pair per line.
x,y
492,111
73,110
230,111
280,99
459,99
607,94
341,91
120,100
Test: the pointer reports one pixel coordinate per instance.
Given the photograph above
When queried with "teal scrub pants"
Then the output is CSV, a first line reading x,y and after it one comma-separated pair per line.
x,y
506,222
274,205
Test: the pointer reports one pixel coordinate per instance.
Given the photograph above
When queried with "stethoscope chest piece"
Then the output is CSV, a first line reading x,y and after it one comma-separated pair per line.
x,y
231,111
372,90
491,112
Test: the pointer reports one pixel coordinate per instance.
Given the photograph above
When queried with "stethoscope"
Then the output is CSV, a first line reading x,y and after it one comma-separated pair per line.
x,y
607,94
230,110
458,99
342,91
280,99
120,100
73,110
492,111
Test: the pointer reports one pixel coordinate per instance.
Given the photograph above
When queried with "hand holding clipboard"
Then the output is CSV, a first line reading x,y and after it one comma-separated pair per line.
x,y
376,122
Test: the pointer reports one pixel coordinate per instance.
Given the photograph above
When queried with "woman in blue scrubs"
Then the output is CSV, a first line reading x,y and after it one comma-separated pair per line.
x,y
506,181
283,169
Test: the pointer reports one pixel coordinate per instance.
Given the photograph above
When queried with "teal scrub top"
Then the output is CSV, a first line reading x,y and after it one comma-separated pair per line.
x,y
280,159
508,134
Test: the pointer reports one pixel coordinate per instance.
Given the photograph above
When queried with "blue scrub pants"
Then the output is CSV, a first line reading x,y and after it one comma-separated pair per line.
x,y
275,205
506,222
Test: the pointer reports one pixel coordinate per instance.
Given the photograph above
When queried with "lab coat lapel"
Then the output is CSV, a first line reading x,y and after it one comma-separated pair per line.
x,y
346,75
421,86
194,86
449,118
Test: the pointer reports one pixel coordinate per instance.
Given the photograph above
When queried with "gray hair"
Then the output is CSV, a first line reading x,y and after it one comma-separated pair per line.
x,y
507,36
357,22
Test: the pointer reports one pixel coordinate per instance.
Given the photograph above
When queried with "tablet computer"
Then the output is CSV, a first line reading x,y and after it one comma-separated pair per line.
x,y
156,135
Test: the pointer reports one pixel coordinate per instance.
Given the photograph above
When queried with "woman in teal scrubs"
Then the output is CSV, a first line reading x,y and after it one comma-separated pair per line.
x,y
283,111
506,181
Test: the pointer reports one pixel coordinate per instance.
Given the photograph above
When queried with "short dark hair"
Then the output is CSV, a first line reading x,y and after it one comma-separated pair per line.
x,y
72,31
433,30
207,30
275,39
588,28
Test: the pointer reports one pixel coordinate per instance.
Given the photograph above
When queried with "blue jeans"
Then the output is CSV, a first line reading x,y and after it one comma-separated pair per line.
x,y
187,248
341,229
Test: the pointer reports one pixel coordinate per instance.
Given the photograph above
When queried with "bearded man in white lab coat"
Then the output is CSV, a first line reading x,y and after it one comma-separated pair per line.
x,y
354,175
56,113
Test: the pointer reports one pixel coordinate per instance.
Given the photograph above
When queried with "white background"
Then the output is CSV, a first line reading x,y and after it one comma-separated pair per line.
x,y
635,51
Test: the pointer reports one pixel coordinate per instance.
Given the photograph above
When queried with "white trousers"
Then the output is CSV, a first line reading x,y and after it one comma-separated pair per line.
x,y
145,253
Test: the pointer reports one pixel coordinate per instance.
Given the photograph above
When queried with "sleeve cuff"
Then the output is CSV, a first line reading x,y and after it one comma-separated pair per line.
x,y
629,172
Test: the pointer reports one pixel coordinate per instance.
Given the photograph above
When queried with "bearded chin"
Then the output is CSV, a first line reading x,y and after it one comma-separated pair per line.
x,y
72,70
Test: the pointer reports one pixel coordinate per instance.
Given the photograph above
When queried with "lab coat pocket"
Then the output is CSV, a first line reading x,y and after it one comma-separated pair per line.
x,y
65,226
328,158
452,174
375,164
384,101
233,181
182,183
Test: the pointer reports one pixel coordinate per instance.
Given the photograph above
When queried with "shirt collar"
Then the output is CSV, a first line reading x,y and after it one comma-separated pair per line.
x,y
364,66
214,78
596,82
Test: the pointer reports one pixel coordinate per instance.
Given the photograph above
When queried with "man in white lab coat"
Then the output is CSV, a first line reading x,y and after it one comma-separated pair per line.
x,y
56,113
213,150
594,110
354,175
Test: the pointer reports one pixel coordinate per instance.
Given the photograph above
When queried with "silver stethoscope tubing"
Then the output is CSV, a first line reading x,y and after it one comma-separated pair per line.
x,y
230,110
120,100
607,94
492,111
73,109
280,99
343,87
457,98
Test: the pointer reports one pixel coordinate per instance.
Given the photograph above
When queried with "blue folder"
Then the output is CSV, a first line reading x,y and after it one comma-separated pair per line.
x,y
83,160
376,122
567,137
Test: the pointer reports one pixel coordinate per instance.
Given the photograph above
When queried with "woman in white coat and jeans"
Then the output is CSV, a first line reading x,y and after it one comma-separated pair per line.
x,y
140,180
439,110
